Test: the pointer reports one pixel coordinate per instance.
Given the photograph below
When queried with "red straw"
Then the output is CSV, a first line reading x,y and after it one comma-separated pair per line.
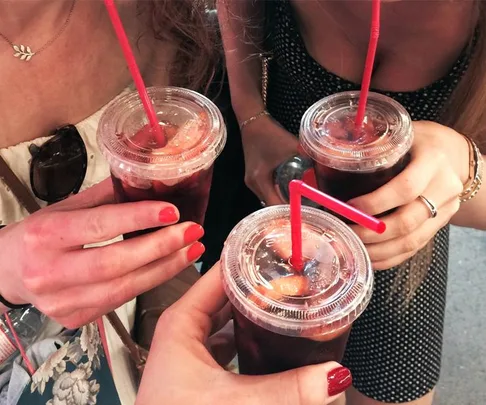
x,y
299,189
135,72
370,61
18,342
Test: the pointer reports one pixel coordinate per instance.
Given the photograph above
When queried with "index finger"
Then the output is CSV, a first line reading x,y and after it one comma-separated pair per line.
x,y
100,224
402,189
99,194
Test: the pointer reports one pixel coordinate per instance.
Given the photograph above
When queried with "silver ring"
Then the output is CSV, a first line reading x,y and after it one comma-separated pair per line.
x,y
430,205
263,204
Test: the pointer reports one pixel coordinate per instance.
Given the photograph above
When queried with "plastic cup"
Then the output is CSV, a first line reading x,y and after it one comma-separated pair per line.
x,y
181,171
286,318
349,163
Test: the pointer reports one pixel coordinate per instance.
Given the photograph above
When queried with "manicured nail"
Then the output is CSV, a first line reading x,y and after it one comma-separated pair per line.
x,y
338,381
168,215
193,233
195,252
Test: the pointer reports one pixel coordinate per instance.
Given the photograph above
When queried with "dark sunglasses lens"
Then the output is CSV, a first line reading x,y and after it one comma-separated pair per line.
x,y
59,166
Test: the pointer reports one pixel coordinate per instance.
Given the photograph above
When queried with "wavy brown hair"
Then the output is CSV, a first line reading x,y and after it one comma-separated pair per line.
x,y
466,113
190,25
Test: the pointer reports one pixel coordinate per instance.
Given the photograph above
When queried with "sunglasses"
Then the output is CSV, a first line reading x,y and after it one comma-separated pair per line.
x,y
58,166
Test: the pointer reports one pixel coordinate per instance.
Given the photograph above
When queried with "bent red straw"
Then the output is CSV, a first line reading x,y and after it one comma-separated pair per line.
x,y
370,61
135,72
299,189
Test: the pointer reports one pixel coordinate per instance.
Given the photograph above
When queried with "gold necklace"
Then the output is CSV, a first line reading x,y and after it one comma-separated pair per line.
x,y
26,53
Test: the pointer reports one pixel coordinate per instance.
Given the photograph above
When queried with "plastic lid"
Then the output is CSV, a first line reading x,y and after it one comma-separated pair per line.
x,y
328,135
192,123
331,292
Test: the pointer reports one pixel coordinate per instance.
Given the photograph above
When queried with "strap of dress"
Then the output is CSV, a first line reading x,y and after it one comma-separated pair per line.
x,y
21,192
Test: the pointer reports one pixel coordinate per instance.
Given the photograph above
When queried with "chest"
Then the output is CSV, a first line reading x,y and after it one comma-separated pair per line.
x,y
404,63
71,79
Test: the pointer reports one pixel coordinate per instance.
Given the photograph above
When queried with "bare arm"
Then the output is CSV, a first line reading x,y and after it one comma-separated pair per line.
x,y
472,214
242,23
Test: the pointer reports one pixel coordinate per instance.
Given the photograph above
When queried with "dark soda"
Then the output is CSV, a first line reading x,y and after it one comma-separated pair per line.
x,y
261,351
286,318
190,196
177,167
345,185
351,161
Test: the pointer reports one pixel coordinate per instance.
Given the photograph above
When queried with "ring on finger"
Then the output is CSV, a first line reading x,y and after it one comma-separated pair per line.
x,y
430,206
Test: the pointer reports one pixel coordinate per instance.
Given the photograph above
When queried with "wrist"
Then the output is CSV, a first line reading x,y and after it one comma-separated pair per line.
x,y
247,107
464,149
10,301
473,182
253,119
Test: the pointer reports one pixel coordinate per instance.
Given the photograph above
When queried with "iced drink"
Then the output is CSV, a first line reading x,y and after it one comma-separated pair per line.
x,y
348,161
180,172
286,318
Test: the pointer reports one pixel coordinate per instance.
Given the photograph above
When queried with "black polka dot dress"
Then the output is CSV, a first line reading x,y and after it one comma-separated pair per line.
x,y
394,351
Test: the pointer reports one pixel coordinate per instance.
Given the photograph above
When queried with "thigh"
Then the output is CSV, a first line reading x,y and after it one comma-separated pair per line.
x,y
394,350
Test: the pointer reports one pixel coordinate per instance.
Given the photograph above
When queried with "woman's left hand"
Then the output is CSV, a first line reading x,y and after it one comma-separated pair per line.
x,y
437,171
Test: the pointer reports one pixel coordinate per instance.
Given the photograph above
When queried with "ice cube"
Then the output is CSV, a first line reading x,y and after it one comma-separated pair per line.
x,y
136,182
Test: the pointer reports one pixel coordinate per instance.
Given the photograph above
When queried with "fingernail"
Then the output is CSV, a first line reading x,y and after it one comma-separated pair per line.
x,y
168,215
195,252
338,381
193,233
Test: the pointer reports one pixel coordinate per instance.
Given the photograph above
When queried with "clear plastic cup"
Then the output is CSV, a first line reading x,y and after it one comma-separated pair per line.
x,y
286,318
181,171
349,163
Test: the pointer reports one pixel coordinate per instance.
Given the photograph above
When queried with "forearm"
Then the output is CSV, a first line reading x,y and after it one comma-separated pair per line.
x,y
242,23
472,213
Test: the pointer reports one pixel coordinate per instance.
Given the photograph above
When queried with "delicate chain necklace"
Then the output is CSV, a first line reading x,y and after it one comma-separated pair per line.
x,y
26,53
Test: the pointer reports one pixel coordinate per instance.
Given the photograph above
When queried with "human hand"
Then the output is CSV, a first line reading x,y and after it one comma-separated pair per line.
x,y
180,370
437,171
266,145
44,263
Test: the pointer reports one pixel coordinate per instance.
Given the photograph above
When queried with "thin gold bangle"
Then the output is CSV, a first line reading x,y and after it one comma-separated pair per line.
x,y
473,185
253,118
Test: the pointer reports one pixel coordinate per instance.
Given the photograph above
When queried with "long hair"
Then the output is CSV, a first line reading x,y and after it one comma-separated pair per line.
x,y
466,113
188,25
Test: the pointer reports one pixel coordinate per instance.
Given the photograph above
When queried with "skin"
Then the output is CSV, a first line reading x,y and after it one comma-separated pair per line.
x,y
44,263
430,36
181,339
56,93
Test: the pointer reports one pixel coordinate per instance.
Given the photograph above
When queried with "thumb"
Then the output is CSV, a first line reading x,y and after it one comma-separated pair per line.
x,y
270,195
312,385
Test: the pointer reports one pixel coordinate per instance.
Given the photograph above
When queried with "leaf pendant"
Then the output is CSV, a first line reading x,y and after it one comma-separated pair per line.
x,y
23,52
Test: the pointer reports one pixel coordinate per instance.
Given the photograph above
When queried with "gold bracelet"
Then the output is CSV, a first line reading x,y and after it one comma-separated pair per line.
x,y
253,118
475,180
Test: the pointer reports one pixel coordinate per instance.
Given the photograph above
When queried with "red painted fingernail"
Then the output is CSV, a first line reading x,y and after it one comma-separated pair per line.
x,y
168,215
193,233
338,381
195,251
